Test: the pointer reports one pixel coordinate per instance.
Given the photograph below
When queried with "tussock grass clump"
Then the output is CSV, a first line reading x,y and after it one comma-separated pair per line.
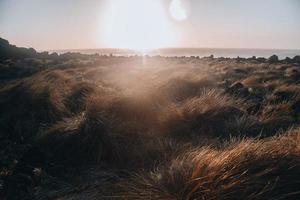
x,y
27,106
293,73
208,114
88,137
77,140
249,169
276,117
79,94
286,92
180,89
102,133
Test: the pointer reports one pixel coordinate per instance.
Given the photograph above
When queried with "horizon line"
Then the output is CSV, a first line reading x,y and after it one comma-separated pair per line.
x,y
165,48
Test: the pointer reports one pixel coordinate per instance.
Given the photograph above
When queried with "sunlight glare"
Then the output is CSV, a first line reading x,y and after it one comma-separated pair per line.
x,y
137,24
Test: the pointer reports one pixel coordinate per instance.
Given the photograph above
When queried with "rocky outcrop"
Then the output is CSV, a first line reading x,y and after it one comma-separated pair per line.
x,y
273,59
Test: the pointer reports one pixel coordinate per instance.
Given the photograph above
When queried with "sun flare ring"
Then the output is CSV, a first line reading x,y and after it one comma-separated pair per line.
x,y
178,10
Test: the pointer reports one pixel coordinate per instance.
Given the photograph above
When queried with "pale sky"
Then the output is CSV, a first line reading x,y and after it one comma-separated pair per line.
x,y
76,24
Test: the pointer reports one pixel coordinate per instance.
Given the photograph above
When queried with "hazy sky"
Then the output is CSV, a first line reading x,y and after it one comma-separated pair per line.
x,y
71,24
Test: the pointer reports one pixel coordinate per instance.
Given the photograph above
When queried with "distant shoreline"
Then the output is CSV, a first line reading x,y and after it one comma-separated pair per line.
x,y
189,52
8,51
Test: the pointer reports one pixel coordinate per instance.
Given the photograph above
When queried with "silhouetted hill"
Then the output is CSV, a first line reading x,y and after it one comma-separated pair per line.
x,y
11,51
17,62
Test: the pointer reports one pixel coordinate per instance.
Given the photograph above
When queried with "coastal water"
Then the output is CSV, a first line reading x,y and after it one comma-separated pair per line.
x,y
201,52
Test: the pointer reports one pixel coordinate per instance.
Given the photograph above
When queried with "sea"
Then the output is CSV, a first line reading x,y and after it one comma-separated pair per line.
x,y
187,52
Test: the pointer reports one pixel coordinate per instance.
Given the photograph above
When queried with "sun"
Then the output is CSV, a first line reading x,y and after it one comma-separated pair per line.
x,y
137,24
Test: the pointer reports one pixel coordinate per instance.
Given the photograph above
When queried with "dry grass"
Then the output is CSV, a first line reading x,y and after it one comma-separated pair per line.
x,y
208,114
166,128
248,169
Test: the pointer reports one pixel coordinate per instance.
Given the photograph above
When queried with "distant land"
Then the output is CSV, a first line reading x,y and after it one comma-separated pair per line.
x,y
201,52
11,51
8,51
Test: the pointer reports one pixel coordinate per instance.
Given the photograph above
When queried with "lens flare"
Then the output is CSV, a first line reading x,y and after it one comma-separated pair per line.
x,y
179,10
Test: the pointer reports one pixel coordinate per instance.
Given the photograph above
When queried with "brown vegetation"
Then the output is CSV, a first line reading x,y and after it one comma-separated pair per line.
x,y
100,127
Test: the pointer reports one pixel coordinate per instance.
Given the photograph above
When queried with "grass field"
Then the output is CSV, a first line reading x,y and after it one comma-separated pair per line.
x,y
104,127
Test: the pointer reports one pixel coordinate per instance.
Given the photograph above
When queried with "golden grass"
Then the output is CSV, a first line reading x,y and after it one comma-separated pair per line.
x,y
169,128
248,169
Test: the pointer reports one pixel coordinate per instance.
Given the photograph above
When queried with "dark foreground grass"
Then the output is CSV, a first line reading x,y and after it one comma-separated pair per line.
x,y
104,127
